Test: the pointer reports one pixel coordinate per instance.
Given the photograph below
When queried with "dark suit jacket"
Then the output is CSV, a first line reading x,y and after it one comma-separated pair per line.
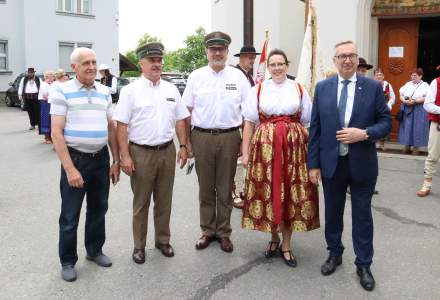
x,y
369,112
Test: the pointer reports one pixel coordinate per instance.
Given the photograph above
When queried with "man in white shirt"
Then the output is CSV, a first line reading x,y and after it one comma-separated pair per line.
x,y
28,91
214,94
432,106
148,114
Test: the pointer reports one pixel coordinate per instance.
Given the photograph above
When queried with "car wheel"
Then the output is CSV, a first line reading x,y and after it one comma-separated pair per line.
x,y
9,101
22,106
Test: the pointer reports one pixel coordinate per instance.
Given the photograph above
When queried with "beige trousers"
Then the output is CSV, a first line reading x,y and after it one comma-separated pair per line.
x,y
216,163
154,174
433,151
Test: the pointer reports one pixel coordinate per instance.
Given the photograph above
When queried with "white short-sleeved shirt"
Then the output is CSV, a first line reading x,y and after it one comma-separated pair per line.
x,y
414,91
87,111
151,111
44,91
216,98
429,104
277,99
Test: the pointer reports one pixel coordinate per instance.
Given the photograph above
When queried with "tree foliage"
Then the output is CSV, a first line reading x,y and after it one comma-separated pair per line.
x,y
183,60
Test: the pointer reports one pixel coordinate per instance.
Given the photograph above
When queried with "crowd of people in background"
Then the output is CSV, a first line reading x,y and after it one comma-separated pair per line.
x,y
35,94
289,145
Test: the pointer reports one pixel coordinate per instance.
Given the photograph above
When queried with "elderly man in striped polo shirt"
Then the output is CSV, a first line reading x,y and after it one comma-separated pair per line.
x,y
81,129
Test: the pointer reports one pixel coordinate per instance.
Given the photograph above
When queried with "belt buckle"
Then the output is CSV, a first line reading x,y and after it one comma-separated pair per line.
x,y
215,131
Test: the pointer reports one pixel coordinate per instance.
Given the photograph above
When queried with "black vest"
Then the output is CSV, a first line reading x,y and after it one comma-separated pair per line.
x,y
26,79
108,82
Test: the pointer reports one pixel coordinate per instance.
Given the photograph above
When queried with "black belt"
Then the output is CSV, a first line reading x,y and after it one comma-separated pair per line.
x,y
216,131
157,147
97,154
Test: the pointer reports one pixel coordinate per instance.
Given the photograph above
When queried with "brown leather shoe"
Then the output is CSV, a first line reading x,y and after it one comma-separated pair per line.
x,y
204,241
139,256
166,249
226,244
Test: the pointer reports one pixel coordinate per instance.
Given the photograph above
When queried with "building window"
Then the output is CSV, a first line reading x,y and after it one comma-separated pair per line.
x,y
83,7
87,45
3,55
65,49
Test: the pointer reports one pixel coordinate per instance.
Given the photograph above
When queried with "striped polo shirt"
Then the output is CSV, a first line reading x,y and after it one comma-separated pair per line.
x,y
87,111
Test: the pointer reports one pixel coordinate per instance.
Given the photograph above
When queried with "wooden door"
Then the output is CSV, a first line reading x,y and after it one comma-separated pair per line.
x,y
398,41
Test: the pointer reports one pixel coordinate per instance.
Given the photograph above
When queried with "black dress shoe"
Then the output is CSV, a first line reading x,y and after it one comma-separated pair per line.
x,y
291,261
271,251
330,265
366,278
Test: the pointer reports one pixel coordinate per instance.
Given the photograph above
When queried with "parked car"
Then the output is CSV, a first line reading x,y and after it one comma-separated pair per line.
x,y
177,79
11,98
121,82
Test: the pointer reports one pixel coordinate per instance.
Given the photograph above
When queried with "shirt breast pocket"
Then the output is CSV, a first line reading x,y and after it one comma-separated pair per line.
x,y
144,112
231,96
202,96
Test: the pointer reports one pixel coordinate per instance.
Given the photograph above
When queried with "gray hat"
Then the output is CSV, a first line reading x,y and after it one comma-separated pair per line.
x,y
150,50
217,38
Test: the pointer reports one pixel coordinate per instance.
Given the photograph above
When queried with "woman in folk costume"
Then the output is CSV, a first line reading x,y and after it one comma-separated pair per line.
x,y
414,128
388,92
43,96
279,196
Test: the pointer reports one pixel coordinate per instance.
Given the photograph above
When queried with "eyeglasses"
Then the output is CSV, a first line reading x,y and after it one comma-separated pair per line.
x,y
343,57
217,49
274,65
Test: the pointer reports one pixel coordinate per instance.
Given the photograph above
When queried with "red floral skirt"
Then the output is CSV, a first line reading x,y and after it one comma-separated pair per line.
x,y
300,212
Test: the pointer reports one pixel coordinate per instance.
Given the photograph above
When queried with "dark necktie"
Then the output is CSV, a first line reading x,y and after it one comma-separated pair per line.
x,y
343,148
343,102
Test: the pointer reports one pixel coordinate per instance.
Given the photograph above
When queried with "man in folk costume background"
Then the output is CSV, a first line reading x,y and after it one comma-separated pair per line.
x,y
247,57
28,91
432,106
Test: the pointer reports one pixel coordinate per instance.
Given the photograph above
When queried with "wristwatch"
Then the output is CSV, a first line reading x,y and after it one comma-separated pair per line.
x,y
183,146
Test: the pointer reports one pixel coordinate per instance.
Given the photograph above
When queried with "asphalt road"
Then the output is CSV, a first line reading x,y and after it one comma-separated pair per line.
x,y
407,240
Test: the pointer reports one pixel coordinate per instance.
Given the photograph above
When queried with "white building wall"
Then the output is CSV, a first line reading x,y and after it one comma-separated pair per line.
x,y
337,20
227,16
12,30
283,18
34,40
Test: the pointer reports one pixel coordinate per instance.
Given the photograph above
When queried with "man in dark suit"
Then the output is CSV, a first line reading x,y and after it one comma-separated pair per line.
x,y
349,114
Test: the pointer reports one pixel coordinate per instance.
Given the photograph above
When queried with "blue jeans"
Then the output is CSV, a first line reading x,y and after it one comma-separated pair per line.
x,y
95,172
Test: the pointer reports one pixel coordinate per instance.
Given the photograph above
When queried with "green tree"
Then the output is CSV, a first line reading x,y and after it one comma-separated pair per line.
x,y
183,60
193,55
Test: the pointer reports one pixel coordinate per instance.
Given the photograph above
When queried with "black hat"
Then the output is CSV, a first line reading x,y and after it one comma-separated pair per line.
x,y
31,70
247,49
150,50
217,38
363,64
